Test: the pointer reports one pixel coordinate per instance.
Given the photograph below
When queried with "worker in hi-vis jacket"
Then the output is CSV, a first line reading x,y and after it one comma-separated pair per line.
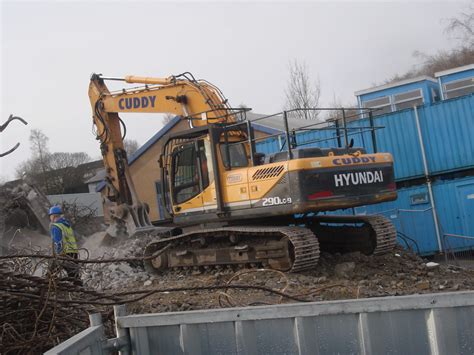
x,y
64,243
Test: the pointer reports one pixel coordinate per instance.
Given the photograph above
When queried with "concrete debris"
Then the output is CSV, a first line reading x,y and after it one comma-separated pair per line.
x,y
423,285
116,275
338,276
344,270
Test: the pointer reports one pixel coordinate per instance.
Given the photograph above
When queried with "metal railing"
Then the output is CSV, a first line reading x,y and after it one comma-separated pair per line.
x,y
459,250
288,135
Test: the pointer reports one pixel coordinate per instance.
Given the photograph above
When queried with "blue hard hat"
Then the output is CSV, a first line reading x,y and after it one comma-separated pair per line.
x,y
55,210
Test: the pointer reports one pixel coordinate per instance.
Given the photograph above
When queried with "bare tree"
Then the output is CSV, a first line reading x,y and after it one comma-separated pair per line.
x,y
39,148
63,171
350,111
432,63
301,92
53,173
131,146
61,160
463,27
39,164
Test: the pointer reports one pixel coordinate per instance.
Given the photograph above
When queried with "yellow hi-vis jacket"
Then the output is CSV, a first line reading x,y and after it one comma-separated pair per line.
x,y
69,242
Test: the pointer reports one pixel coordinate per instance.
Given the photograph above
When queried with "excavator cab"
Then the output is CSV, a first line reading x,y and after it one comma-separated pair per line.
x,y
195,167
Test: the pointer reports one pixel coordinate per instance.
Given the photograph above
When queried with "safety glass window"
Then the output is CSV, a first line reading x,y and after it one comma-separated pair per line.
x,y
237,157
204,164
185,174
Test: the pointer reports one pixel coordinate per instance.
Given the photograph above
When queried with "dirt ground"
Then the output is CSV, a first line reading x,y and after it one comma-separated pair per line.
x,y
347,276
337,277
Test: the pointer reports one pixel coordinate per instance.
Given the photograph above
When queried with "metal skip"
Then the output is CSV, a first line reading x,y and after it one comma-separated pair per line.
x,y
416,324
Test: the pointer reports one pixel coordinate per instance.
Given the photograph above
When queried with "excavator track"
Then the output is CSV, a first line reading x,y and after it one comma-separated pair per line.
x,y
289,249
372,235
385,232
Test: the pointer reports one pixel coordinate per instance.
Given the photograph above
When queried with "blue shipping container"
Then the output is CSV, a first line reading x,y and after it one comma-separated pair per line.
x,y
412,214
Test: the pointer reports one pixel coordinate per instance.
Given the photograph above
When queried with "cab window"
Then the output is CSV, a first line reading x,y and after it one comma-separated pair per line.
x,y
237,155
188,167
185,178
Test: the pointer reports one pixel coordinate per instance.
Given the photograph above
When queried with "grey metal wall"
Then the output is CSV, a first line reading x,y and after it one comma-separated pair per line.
x,y
420,324
90,341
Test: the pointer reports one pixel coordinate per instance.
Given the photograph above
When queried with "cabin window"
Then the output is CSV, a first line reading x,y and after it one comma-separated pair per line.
x,y
237,155
382,104
459,88
205,165
408,99
190,163
185,175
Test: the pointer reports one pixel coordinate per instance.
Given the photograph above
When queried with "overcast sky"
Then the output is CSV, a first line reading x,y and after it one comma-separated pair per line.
x,y
49,49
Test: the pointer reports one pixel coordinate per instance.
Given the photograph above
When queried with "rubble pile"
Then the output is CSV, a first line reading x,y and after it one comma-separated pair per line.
x,y
114,275
338,276
38,311
346,276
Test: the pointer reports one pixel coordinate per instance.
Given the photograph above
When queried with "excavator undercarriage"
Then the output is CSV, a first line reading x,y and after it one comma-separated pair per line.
x,y
284,248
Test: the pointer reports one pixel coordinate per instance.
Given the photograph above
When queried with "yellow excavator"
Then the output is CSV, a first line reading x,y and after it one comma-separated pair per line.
x,y
227,204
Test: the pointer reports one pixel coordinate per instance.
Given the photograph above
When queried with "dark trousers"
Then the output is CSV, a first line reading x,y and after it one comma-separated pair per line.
x,y
72,268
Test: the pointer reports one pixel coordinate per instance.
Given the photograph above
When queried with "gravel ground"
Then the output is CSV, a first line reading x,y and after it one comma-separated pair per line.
x,y
337,276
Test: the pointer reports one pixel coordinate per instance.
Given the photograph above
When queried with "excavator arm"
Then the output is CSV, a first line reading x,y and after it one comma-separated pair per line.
x,y
197,101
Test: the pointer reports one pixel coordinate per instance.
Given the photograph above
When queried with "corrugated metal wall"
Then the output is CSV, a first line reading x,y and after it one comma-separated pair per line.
x,y
455,205
415,219
448,131
419,324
